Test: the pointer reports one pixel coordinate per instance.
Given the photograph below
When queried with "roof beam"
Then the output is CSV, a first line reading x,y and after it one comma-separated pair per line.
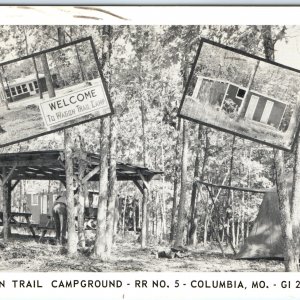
x,y
15,184
91,174
9,175
145,181
137,184
29,163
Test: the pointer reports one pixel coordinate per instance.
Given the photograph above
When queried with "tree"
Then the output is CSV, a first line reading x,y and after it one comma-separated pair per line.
x,y
47,73
69,167
112,139
289,213
101,229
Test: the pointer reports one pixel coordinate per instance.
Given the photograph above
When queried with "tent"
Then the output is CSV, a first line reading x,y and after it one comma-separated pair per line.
x,y
265,238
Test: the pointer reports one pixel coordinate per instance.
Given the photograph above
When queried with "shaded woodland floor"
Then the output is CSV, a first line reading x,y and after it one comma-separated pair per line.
x,y
22,253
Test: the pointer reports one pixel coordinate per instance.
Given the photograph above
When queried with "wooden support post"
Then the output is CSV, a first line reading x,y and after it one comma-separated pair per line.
x,y
8,176
144,217
8,191
91,174
146,189
4,204
14,185
137,184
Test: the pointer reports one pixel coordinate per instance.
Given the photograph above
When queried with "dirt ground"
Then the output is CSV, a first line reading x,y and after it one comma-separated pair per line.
x,y
23,254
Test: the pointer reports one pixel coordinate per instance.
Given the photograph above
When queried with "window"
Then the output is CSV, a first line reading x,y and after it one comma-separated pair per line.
x,y
34,200
36,84
24,88
19,90
13,91
31,87
7,93
240,94
95,200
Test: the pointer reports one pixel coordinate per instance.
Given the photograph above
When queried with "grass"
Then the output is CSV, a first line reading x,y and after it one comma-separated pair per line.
x,y
20,123
23,254
210,115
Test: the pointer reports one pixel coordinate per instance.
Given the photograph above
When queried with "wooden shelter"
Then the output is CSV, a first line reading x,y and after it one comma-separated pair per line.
x,y
229,96
49,165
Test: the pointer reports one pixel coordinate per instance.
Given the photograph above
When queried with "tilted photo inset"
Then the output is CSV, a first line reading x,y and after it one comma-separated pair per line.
x,y
51,90
243,94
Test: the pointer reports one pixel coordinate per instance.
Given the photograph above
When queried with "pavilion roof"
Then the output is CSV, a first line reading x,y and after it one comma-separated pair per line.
x,y
49,165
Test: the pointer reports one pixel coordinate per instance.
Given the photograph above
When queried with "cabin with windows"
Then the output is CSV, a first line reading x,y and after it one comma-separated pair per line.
x,y
230,96
27,86
40,205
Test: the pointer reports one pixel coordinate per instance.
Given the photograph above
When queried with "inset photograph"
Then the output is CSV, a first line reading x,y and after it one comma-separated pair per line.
x,y
50,90
243,94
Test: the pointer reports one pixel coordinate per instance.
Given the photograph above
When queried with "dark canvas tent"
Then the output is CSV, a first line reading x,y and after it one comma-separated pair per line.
x,y
265,238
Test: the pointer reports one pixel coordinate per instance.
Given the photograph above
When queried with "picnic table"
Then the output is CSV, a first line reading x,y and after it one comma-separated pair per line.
x,y
13,221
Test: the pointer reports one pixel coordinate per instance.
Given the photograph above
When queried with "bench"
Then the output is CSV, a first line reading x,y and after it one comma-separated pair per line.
x,y
12,220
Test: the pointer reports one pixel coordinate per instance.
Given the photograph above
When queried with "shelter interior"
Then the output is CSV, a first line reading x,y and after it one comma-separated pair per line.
x,y
49,165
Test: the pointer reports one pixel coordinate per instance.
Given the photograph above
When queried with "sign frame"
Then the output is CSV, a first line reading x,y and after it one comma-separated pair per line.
x,y
203,41
101,77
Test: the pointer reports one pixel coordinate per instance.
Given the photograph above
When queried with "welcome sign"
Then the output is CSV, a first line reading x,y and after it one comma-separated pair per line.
x,y
74,105
50,90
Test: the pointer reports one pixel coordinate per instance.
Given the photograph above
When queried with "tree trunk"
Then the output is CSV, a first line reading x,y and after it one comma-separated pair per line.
x,y
163,200
285,213
233,221
7,85
100,241
49,83
296,208
69,168
174,206
124,215
33,59
61,35
206,222
102,230
175,184
118,211
112,184
3,92
80,205
183,194
243,218
193,223
112,193
291,255
72,239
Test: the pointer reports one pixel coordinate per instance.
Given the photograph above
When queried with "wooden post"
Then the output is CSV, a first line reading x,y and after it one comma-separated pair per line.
x,y
4,202
144,216
8,191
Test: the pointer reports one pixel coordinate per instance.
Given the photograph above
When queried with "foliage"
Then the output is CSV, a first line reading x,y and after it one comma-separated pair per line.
x,y
147,68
